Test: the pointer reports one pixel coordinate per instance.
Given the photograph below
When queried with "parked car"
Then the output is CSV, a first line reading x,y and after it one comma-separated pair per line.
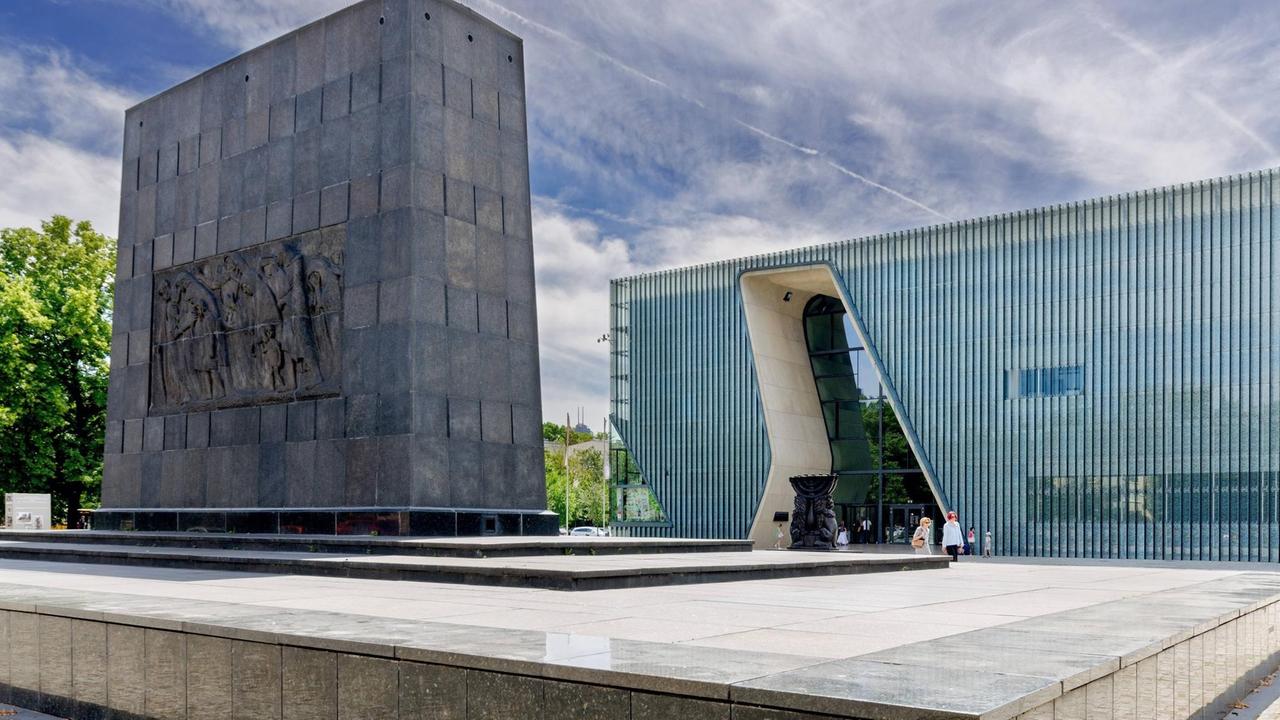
x,y
589,531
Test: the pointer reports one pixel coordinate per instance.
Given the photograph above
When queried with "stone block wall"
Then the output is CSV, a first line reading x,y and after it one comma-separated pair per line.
x,y
1200,676
250,370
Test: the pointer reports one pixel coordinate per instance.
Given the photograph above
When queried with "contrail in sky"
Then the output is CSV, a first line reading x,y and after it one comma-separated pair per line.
x,y
749,127
1200,96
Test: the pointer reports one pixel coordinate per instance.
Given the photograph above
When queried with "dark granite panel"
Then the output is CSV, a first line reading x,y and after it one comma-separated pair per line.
x,y
368,687
300,474
497,696
279,179
114,437
302,421
308,683
362,472
209,692
573,701
283,118
197,430
271,475
432,691
327,487
429,475
175,432
395,460
271,427
256,681
329,420
150,479
466,485
133,436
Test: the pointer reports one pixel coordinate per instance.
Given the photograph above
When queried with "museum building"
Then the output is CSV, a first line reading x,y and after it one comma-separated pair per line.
x,y
1089,379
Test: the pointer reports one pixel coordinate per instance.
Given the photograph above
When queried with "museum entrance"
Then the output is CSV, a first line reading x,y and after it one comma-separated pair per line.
x,y
882,492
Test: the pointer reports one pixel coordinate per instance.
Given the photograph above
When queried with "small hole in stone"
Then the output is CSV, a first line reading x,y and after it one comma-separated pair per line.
x,y
246,78
426,15
469,38
509,59
381,20
139,123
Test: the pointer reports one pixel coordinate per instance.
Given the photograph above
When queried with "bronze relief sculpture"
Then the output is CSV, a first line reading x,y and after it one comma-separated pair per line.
x,y
255,324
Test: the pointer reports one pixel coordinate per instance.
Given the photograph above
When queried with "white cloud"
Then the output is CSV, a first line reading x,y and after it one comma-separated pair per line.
x,y
248,23
668,133
47,177
60,134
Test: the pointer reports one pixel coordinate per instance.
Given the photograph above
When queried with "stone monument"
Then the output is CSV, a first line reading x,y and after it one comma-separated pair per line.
x,y
324,314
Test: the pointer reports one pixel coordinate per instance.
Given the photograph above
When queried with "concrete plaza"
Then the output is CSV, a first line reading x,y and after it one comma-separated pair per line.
x,y
978,640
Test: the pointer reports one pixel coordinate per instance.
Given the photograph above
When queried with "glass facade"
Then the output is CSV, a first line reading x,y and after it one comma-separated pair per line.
x,y
1095,379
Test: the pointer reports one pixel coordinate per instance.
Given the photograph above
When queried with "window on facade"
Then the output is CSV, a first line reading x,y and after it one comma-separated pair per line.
x,y
631,497
1061,381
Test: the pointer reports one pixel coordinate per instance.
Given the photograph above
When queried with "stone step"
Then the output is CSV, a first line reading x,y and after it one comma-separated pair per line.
x,y
575,572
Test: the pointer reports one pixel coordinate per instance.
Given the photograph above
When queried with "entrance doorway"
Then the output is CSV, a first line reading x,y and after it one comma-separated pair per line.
x,y
881,486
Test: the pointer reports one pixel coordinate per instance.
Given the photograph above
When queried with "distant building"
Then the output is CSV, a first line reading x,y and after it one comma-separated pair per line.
x,y
1090,379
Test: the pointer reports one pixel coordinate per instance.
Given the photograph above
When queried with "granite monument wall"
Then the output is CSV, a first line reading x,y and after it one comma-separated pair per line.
x,y
325,294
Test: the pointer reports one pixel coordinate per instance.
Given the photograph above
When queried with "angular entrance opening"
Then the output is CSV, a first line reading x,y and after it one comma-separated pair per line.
x,y
825,409
882,492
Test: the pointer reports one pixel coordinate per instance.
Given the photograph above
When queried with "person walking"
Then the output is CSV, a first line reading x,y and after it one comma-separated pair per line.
x,y
865,534
922,540
951,537
971,543
986,545
842,538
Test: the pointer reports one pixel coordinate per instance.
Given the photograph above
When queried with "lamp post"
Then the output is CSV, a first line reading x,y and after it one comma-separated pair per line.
x,y
568,482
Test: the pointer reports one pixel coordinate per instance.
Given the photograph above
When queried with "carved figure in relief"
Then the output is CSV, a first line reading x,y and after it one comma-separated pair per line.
x,y
272,355
246,324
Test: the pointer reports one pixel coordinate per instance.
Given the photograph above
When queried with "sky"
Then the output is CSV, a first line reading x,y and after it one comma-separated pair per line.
x,y
674,132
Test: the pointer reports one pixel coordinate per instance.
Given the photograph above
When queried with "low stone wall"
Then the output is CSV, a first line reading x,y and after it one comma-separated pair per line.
x,y
85,669
121,656
1198,676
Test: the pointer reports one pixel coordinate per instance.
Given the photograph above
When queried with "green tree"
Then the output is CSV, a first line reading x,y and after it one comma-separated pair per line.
x,y
587,485
896,454
552,432
555,483
55,335
584,484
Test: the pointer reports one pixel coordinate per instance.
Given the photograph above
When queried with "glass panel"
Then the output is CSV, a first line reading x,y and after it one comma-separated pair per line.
x,y
836,364
818,330
837,388
852,454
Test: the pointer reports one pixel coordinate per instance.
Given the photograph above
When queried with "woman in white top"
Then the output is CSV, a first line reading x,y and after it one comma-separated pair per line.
x,y
922,540
952,536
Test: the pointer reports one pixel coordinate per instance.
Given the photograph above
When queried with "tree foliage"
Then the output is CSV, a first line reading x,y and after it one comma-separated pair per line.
x,y
896,454
585,484
55,335
552,432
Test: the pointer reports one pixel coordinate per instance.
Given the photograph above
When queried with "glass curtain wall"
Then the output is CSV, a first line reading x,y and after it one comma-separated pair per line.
x,y
880,479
